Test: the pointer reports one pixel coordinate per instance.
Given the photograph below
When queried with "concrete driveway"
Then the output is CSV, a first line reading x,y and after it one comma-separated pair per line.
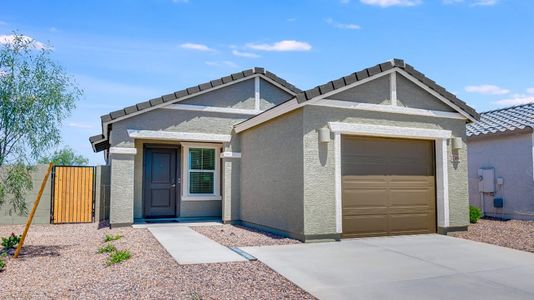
x,y
404,267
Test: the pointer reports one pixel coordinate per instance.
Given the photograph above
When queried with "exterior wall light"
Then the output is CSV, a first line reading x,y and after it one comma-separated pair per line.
x,y
457,143
324,135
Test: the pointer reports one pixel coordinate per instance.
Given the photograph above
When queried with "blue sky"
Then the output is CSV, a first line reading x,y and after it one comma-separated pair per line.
x,y
124,52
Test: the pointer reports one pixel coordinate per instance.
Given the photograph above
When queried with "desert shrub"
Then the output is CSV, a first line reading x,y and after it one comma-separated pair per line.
x,y
111,237
118,257
475,214
107,248
2,264
10,241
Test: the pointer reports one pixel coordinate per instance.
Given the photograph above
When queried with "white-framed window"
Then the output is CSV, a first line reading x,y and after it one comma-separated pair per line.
x,y
201,169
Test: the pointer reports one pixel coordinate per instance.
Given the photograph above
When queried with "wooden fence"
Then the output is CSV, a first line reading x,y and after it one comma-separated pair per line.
x,y
73,191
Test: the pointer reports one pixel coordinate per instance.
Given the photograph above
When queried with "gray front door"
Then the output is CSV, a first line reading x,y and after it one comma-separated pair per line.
x,y
159,182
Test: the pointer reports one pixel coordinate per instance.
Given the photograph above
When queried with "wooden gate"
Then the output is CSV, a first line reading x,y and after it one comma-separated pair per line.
x,y
72,194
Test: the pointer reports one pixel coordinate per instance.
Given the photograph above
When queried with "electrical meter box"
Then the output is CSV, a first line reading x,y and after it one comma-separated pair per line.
x,y
487,180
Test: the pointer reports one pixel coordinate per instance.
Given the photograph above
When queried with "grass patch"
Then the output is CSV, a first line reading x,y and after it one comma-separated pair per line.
x,y
111,237
108,248
118,257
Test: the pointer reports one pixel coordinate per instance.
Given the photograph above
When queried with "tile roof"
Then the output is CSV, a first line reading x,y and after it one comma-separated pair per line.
x,y
503,121
368,72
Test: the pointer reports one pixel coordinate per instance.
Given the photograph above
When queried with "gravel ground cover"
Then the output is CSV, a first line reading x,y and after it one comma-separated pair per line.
x,y
512,234
61,261
241,236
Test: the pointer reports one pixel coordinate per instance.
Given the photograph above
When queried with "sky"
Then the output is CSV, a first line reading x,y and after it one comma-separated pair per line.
x,y
123,52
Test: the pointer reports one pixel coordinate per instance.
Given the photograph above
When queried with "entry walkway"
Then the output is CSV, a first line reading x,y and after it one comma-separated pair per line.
x,y
187,246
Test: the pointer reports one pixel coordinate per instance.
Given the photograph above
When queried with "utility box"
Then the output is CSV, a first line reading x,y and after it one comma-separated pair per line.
x,y
487,180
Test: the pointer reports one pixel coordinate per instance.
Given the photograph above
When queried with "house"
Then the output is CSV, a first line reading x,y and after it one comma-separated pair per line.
x,y
377,152
501,160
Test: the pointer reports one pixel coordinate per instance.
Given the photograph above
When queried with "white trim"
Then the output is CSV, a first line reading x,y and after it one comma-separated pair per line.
x,y
179,136
201,198
228,154
257,93
388,131
387,109
268,115
122,150
442,183
186,196
442,180
338,188
436,94
393,88
225,110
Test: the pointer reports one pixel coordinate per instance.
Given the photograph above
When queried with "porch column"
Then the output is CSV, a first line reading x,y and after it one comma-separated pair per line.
x,y
231,169
122,186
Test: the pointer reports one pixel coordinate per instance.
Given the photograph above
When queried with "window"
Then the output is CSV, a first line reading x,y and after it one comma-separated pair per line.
x,y
201,172
202,168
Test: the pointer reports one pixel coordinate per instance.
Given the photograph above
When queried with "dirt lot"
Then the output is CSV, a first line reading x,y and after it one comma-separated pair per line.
x,y
239,236
60,261
512,234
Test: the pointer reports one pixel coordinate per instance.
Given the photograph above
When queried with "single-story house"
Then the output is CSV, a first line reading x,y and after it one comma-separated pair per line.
x,y
376,152
501,160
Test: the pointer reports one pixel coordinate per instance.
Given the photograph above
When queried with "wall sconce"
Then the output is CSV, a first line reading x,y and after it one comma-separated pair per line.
x,y
457,143
324,135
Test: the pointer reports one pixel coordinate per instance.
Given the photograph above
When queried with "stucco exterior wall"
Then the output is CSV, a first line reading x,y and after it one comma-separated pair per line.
x,y
122,189
319,181
238,95
375,91
271,95
411,95
42,215
272,174
511,157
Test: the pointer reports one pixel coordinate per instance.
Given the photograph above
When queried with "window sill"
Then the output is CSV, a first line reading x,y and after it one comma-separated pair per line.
x,y
201,198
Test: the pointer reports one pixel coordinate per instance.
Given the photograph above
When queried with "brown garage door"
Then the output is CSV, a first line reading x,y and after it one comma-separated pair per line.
x,y
388,186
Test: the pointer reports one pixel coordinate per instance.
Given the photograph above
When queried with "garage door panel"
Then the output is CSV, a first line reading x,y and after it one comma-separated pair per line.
x,y
388,187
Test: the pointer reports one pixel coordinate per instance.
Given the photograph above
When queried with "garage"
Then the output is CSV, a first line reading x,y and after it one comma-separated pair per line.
x,y
388,186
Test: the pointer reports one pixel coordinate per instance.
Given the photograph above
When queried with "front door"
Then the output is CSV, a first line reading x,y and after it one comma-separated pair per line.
x,y
159,182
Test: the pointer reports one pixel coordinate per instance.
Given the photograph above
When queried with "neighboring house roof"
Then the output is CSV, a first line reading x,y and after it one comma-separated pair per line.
x,y
508,120
100,142
368,72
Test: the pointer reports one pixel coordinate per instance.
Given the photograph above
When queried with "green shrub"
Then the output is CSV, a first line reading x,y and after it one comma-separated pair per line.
x,y
10,241
108,248
2,265
118,256
475,214
111,237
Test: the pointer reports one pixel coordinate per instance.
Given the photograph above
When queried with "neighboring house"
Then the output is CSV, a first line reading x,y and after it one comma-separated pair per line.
x,y
501,160
377,152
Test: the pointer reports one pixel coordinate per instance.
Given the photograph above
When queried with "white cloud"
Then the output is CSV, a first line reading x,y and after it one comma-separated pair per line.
x,y
344,1
486,89
335,24
388,3
81,125
281,46
224,63
196,47
530,90
516,99
180,1
3,23
245,54
292,19
484,2
10,39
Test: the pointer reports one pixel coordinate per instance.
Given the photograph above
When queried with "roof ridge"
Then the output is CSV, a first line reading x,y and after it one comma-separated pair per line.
x,y
507,108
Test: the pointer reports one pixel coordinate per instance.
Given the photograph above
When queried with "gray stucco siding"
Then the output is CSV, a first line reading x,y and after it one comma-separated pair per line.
x,y
272,174
271,95
411,95
237,95
122,189
375,92
511,156
319,183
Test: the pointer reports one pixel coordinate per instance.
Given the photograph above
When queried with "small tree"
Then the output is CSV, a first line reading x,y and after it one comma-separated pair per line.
x,y
64,157
36,95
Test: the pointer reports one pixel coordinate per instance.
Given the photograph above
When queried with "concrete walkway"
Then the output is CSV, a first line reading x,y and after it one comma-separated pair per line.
x,y
187,246
404,267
